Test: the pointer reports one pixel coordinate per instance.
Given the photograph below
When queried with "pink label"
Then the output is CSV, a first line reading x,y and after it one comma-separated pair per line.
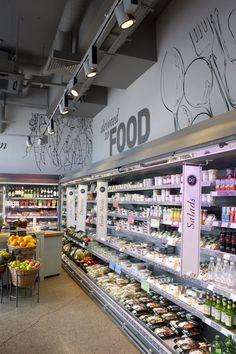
x,y
131,219
115,204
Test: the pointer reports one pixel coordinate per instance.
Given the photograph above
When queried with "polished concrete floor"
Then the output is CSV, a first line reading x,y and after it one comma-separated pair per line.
x,y
66,321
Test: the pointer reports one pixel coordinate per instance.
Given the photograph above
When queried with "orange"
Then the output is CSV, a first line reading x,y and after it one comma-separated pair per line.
x,y
14,243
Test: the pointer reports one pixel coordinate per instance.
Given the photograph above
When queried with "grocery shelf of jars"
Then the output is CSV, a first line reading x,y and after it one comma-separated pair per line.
x,y
38,204
152,220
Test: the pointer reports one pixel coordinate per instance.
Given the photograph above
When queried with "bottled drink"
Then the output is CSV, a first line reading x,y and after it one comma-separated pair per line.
x,y
218,308
207,305
225,272
13,192
227,349
223,311
22,192
9,192
211,270
231,277
217,346
233,244
222,242
229,315
228,243
213,305
230,344
218,270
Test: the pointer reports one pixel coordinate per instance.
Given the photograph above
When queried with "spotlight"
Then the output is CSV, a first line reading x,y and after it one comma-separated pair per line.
x,y
29,142
73,89
64,104
90,65
43,140
124,13
51,129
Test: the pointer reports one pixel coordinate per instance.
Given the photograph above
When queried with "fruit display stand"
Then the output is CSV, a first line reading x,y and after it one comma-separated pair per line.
x,y
24,275
4,258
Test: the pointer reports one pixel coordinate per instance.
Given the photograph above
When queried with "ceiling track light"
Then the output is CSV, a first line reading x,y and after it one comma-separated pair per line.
x,y
29,141
64,104
125,13
51,129
72,87
43,140
90,65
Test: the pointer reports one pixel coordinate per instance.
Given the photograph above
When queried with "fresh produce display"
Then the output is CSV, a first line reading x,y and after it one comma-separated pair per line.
x,y
4,257
25,265
22,241
78,254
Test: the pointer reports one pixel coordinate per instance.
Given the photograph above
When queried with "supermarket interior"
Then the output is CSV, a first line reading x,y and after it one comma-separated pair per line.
x,y
117,187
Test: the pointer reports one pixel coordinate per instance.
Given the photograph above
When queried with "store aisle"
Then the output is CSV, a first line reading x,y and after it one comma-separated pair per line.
x,y
66,321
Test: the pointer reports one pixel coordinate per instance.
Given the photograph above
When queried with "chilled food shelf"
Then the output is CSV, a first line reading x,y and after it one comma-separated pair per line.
x,y
31,207
124,216
144,202
223,193
35,198
32,216
148,285
143,338
162,186
224,224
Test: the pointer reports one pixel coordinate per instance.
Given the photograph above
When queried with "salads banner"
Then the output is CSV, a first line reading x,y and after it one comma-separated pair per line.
x,y
191,219
70,206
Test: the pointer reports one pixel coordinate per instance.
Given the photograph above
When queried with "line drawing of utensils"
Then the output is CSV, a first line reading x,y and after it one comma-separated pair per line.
x,y
229,71
198,95
185,117
203,37
172,82
232,25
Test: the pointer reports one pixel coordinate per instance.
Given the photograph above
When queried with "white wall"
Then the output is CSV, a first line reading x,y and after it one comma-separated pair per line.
x,y
194,78
68,150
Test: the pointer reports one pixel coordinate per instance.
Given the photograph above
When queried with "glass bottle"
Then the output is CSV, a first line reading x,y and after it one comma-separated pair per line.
x,y
218,309
217,346
222,242
229,315
218,270
223,311
225,272
213,305
230,343
207,305
227,349
211,270
231,276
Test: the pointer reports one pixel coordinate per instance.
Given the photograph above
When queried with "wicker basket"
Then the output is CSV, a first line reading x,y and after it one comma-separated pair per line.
x,y
25,278
3,267
22,253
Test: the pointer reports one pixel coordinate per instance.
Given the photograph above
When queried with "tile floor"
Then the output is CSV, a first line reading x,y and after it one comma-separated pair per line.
x,y
66,321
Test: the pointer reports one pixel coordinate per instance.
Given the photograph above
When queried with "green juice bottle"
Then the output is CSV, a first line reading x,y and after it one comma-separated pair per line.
x,y
218,309
229,315
223,311
217,346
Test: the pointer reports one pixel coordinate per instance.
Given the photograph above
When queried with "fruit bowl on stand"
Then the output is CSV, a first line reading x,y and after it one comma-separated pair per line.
x,y
4,258
23,273
22,247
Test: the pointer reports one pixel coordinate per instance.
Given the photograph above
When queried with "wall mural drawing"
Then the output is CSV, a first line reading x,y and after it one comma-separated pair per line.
x,y
186,89
68,149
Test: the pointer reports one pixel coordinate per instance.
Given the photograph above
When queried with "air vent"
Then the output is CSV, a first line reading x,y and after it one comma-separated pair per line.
x,y
10,83
62,63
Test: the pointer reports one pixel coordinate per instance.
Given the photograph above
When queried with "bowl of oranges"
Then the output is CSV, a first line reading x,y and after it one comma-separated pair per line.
x,y
22,247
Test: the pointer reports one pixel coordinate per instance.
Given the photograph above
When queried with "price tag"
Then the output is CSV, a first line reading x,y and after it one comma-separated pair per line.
x,y
175,224
233,297
112,265
118,269
224,224
207,321
131,219
115,204
145,285
233,225
224,331
227,256
155,223
210,287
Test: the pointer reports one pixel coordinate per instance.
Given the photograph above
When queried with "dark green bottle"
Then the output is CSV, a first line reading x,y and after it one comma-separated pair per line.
x,y
213,306
208,305
229,315
218,309
229,341
217,346
227,349
223,311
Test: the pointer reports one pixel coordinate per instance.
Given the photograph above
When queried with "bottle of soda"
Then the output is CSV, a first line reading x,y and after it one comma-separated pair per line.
x,y
213,305
222,242
229,315
230,343
207,305
223,311
218,309
227,349
233,244
228,243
